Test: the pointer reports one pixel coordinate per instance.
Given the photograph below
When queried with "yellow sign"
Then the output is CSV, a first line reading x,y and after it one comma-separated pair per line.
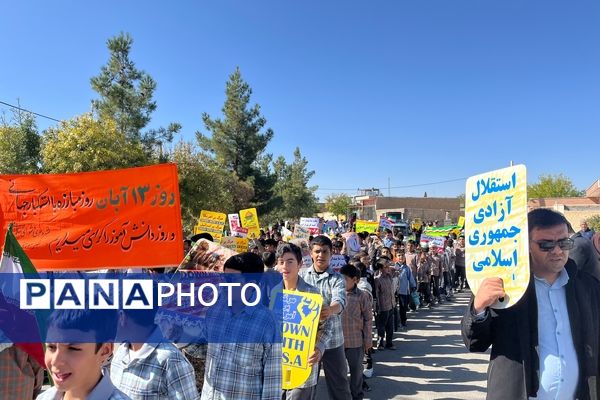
x,y
497,237
366,226
236,244
211,222
300,320
416,224
461,221
249,219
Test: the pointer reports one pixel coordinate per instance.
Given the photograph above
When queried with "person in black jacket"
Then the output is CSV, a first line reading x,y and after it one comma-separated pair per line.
x,y
545,346
585,255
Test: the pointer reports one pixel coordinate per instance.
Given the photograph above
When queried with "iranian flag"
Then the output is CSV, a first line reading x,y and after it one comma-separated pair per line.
x,y
386,223
15,261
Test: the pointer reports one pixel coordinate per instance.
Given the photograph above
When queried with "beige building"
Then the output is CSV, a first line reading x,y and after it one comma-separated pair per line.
x,y
575,209
426,208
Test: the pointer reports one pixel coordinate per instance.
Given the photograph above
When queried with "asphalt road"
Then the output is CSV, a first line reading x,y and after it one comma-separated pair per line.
x,y
430,362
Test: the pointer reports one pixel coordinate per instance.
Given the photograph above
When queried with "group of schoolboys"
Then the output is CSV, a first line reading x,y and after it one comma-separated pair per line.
x,y
155,367
371,281
81,363
344,333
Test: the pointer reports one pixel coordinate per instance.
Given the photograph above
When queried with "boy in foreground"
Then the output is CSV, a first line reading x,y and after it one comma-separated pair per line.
x,y
78,345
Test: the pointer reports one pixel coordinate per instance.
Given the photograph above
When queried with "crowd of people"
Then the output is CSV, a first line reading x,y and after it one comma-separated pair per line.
x,y
379,285
365,301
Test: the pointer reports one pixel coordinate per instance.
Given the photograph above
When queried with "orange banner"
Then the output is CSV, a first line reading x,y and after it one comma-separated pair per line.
x,y
93,220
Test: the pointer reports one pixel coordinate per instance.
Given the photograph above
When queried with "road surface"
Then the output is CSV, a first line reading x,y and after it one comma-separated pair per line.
x,y
430,362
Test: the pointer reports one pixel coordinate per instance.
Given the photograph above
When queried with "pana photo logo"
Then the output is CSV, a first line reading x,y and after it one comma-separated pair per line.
x,y
44,294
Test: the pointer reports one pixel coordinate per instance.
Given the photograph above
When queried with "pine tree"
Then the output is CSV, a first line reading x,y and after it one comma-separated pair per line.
x,y
237,142
126,96
297,198
204,185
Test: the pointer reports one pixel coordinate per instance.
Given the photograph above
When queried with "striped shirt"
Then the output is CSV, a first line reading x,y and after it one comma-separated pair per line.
x,y
333,289
157,371
357,319
423,271
384,287
411,261
238,370
436,264
459,255
21,376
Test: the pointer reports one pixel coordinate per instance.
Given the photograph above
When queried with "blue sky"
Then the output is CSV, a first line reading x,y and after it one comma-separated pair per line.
x,y
413,91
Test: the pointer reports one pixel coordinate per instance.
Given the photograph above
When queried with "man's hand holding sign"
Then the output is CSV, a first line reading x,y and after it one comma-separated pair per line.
x,y
490,292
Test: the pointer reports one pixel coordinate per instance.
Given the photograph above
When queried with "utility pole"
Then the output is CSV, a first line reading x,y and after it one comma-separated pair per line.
x,y
389,188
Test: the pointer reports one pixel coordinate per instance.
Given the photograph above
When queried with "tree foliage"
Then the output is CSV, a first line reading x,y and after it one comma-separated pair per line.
x,y
203,184
553,186
19,145
85,143
226,170
594,222
237,142
126,96
338,204
297,198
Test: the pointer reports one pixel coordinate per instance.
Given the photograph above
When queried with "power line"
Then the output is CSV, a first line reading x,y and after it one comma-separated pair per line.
x,y
428,184
399,187
29,111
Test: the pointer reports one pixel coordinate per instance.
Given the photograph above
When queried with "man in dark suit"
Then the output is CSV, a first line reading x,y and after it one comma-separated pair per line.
x,y
545,346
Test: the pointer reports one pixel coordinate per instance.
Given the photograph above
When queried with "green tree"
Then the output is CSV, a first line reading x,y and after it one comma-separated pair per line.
x,y
594,222
237,142
553,186
263,181
297,198
19,145
338,204
204,185
126,96
85,143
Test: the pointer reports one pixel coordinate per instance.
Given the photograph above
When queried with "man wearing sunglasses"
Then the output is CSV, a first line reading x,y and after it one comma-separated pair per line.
x,y
546,346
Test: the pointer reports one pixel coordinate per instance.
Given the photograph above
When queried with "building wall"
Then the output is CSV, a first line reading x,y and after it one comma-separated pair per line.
x,y
425,214
575,209
576,215
367,213
432,215
442,209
